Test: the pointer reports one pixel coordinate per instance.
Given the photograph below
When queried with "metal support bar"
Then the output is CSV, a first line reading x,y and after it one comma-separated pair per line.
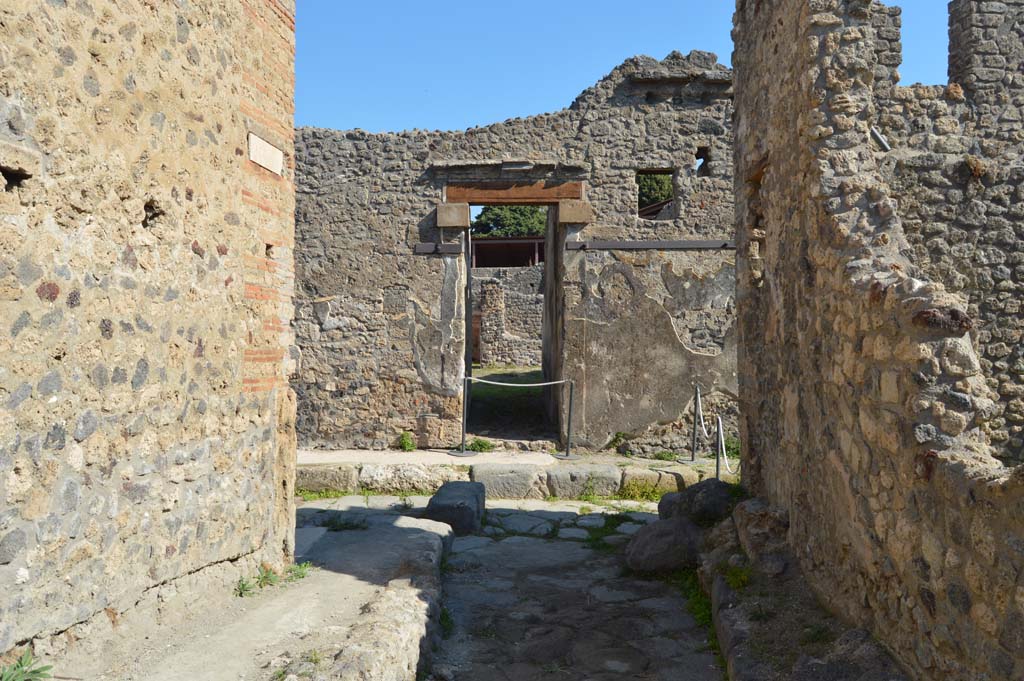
x,y
437,249
568,456
685,245
465,417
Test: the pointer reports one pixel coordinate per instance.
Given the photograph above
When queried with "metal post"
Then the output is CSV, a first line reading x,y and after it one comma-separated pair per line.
x,y
696,415
465,418
465,410
568,425
568,428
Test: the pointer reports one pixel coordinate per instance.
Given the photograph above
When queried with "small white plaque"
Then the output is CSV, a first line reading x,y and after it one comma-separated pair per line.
x,y
265,154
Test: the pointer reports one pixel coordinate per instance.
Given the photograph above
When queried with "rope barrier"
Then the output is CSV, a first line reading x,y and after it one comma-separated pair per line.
x,y
698,421
515,385
461,452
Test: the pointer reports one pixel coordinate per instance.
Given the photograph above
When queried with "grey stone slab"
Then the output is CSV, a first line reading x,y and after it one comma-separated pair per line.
x,y
573,481
573,533
594,520
511,481
385,503
629,528
527,524
459,504
470,543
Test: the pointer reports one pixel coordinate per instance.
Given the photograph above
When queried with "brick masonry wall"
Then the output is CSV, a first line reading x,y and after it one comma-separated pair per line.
x,y
382,332
510,304
146,423
864,401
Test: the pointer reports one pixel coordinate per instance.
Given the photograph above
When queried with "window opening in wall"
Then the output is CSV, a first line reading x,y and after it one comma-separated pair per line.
x,y
508,274
702,167
655,194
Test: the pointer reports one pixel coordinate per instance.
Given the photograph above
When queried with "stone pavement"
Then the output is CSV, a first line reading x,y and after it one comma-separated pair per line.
x,y
545,596
377,578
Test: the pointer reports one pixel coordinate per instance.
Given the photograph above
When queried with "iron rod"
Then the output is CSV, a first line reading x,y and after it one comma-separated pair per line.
x,y
465,410
568,426
696,415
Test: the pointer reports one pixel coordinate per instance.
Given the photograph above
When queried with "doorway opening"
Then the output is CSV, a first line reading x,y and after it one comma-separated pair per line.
x,y
509,281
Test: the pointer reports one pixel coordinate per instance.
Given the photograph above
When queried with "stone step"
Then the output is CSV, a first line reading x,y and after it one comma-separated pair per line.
x,y
504,476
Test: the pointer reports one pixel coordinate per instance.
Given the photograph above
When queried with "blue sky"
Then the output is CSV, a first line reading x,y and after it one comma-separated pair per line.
x,y
403,64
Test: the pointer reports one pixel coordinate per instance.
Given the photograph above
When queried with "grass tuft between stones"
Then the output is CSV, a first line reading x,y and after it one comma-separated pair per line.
x,y
479,444
25,668
406,442
447,623
596,541
698,604
311,495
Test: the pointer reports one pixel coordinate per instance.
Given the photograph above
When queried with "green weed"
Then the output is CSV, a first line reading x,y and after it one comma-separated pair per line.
x,y
737,577
244,588
665,456
597,537
405,442
479,444
447,623
732,447
588,493
339,523
310,495
314,657
639,490
617,440
26,668
297,571
266,577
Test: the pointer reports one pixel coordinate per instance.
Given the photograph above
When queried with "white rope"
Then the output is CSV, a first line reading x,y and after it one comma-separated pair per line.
x,y
720,446
515,385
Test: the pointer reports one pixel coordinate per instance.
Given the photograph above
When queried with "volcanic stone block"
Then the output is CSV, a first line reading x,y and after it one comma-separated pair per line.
x,y
664,546
511,481
338,478
459,504
571,482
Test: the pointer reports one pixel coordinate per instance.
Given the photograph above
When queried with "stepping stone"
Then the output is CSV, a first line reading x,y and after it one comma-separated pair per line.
x,y
511,481
629,528
470,543
594,520
574,480
527,524
459,504
574,533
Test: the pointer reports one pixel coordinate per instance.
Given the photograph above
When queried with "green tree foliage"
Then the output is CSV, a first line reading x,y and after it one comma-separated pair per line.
x,y
654,188
496,221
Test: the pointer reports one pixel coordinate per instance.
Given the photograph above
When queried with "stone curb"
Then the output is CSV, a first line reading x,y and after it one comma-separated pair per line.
x,y
406,615
503,481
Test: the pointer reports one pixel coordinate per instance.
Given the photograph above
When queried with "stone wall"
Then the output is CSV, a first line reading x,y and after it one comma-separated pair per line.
x,y
509,302
865,406
146,423
382,331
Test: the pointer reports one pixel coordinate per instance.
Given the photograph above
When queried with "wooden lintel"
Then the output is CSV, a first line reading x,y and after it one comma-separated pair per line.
x,y
498,193
437,249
